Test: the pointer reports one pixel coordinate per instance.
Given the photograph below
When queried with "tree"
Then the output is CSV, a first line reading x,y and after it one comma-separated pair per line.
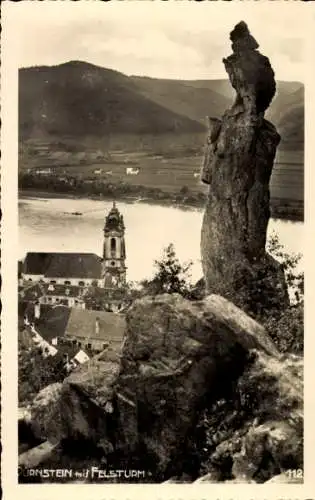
x,y
287,328
37,371
289,262
171,276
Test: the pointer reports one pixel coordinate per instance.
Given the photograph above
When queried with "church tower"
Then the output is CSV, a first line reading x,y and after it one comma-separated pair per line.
x,y
114,253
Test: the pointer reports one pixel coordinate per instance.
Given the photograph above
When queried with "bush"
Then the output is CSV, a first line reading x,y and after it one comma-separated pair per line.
x,y
36,372
171,276
287,328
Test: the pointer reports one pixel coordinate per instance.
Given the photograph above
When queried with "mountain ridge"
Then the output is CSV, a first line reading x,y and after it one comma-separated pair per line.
x,y
79,98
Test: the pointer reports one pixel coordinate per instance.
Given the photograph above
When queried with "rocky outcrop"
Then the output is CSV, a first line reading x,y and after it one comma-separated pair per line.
x,y
185,366
179,357
238,163
258,435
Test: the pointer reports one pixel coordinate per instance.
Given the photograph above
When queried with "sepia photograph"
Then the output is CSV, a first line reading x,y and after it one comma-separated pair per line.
x,y
161,243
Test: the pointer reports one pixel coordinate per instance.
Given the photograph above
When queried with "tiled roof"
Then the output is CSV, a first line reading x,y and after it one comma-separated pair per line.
x,y
36,262
82,324
68,348
63,265
74,265
52,322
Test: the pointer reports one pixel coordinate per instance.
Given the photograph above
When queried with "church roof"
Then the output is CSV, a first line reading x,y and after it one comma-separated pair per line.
x,y
63,265
114,220
36,262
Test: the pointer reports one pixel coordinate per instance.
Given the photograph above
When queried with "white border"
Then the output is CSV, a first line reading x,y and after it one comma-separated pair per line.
x,y
9,112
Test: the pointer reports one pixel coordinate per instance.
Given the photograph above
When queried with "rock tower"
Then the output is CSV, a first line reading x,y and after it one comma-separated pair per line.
x,y
238,163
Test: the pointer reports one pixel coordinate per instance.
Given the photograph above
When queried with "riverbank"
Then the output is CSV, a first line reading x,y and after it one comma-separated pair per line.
x,y
278,211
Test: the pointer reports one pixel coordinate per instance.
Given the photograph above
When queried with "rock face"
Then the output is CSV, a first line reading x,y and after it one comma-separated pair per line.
x,y
178,357
45,419
141,407
238,163
260,432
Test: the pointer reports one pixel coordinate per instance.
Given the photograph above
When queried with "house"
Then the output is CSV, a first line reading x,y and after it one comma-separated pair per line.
x,y
43,171
97,171
44,325
95,330
90,331
132,171
71,296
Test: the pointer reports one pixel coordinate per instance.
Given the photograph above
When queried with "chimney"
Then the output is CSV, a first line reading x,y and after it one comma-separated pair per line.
x,y
97,327
37,310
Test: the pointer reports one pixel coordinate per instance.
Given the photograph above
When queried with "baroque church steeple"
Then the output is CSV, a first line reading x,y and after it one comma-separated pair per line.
x,y
114,251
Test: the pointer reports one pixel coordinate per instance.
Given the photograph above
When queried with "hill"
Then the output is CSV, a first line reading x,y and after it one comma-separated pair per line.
x,y
195,100
79,99
199,98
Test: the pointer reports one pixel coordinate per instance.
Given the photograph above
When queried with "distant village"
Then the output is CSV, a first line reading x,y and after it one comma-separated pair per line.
x,y
72,305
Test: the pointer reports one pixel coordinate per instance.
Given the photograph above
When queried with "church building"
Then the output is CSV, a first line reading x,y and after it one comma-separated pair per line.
x,y
69,274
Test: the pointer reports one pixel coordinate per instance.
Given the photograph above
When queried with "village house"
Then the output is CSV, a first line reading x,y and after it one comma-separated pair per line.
x,y
56,327
132,171
38,326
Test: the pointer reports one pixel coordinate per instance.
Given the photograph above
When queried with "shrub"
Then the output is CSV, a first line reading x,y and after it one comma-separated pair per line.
x,y
171,276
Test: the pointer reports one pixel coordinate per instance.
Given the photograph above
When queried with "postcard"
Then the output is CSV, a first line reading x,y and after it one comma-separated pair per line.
x,y
156,232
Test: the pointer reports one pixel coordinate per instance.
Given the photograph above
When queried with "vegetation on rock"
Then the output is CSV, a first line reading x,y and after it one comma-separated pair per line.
x,y
36,372
171,275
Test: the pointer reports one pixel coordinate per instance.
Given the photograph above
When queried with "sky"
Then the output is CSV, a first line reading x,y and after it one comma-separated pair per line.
x,y
175,39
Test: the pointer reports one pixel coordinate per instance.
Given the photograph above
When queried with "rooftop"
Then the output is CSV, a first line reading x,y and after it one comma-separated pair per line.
x,y
114,220
52,322
61,321
63,265
82,323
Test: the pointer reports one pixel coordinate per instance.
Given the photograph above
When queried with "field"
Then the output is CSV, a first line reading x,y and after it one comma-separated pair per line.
x,y
169,171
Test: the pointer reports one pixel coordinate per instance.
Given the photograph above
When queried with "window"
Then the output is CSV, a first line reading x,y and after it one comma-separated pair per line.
x,y
53,282
88,346
74,342
67,282
81,283
113,248
112,263
104,346
30,279
49,299
113,245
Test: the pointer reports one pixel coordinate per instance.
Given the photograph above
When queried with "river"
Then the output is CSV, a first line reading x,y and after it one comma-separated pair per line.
x,y
46,224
